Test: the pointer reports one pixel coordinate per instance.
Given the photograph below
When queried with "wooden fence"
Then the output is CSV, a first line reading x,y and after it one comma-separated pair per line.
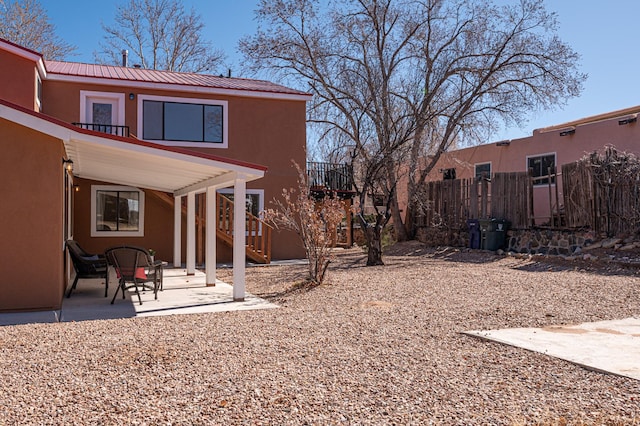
x,y
512,198
602,192
449,203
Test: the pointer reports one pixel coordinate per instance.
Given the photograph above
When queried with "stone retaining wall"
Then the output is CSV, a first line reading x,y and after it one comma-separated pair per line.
x,y
570,244
547,241
536,241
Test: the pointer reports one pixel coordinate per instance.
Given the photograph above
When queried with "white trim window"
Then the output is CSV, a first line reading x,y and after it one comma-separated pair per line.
x,y
117,211
254,202
184,122
481,168
540,165
102,111
38,92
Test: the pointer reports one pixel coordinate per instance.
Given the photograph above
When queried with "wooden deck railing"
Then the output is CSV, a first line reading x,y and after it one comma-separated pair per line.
x,y
330,176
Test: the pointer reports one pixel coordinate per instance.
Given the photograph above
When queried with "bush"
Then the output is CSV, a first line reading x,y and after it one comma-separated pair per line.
x,y
314,220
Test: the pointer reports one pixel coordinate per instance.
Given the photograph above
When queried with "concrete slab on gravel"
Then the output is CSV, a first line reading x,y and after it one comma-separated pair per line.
x,y
607,346
182,294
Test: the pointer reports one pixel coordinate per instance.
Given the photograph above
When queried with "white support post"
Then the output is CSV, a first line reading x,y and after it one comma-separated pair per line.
x,y
239,243
210,262
191,233
177,232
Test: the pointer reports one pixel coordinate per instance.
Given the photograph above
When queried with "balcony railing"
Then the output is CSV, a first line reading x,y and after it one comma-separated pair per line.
x,y
330,176
105,128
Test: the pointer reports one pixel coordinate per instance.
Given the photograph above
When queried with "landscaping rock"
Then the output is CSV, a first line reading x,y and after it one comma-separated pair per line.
x,y
611,242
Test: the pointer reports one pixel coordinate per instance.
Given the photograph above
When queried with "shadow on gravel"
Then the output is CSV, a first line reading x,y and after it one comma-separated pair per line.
x,y
526,262
551,264
295,289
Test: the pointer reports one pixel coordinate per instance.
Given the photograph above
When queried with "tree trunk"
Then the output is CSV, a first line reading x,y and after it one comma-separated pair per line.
x,y
398,226
374,244
410,221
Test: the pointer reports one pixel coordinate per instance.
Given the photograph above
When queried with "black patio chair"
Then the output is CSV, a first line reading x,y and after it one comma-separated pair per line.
x,y
87,265
133,265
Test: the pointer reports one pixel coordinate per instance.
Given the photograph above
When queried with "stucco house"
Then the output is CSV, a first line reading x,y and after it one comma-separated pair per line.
x,y
551,146
121,155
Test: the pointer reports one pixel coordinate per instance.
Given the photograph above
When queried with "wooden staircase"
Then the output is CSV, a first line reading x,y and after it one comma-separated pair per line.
x,y
258,233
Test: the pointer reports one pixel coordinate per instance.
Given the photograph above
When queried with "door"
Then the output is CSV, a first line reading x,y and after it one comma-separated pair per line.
x,y
103,112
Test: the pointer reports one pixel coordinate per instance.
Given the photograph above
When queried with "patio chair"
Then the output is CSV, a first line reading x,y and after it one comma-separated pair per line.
x,y
133,265
86,265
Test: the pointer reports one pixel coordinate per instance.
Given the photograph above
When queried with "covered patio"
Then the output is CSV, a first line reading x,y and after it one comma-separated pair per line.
x,y
128,161
181,172
182,294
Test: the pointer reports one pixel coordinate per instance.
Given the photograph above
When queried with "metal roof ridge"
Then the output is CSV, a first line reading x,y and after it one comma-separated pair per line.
x,y
82,69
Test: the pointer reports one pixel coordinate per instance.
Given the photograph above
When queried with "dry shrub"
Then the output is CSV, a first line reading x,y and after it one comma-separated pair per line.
x,y
314,220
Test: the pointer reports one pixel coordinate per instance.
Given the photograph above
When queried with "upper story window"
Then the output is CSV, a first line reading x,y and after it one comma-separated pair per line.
x,y
117,211
183,121
540,165
483,169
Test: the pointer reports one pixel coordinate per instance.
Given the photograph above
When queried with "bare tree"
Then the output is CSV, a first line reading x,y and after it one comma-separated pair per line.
x,y
400,80
159,35
26,23
314,220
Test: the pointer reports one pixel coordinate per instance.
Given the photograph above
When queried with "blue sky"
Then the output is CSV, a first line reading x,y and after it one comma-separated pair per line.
x,y
605,34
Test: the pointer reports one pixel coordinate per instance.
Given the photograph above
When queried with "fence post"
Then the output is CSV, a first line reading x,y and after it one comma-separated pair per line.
x,y
484,184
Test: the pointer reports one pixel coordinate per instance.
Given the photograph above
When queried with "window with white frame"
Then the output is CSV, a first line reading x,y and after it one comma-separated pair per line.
x,y
183,121
117,211
540,165
483,169
254,201
39,92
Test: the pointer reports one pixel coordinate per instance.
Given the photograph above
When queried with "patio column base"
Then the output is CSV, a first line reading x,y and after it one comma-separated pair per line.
x,y
211,285
190,274
238,299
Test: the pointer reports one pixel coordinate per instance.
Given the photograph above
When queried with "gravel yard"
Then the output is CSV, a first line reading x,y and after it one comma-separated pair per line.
x,y
378,345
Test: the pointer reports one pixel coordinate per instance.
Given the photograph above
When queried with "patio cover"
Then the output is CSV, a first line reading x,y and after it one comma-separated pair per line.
x,y
128,161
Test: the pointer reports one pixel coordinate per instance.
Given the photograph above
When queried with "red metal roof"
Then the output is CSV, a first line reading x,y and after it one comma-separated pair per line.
x,y
165,77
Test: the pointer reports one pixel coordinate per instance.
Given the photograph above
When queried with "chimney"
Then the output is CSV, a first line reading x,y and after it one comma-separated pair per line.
x,y
125,58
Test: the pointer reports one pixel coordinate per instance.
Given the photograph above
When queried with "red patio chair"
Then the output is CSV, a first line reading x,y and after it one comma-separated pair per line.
x,y
133,265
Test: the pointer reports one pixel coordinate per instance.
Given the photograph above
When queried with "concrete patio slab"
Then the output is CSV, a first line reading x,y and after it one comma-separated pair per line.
x,y
605,346
182,294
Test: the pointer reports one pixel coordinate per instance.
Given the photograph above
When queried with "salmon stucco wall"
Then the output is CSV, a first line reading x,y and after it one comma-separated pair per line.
x,y
18,80
158,223
511,156
265,131
31,172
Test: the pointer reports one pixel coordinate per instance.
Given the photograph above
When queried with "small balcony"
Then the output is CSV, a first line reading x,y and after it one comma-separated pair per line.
x,y
105,128
330,177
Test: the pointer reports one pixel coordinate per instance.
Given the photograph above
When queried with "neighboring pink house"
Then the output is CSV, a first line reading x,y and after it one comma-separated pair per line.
x,y
114,155
550,146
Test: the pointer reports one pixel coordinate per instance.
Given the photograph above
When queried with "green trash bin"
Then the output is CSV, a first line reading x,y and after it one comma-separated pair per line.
x,y
493,233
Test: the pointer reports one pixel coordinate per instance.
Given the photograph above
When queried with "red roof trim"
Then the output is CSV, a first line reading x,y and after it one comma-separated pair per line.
x,y
134,141
17,46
